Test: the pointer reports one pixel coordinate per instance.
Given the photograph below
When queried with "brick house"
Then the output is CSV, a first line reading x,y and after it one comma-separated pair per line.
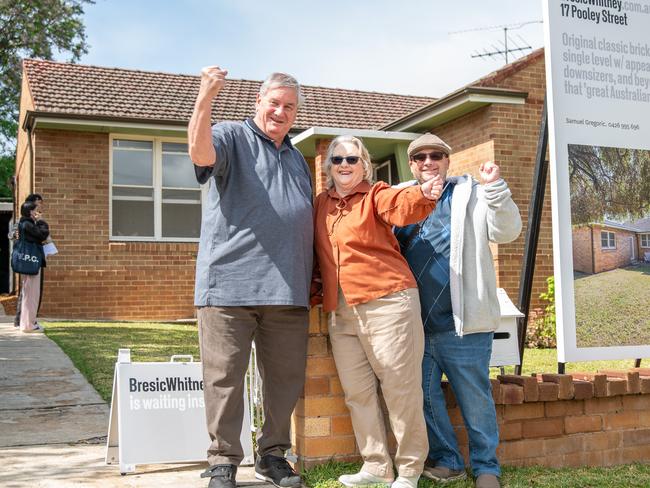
x,y
106,148
83,134
599,247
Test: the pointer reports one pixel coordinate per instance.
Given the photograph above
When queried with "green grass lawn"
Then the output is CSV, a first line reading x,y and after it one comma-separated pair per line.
x,y
545,361
629,476
613,307
92,347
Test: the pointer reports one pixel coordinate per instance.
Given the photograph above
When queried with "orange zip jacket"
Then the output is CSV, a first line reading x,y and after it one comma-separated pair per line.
x,y
355,245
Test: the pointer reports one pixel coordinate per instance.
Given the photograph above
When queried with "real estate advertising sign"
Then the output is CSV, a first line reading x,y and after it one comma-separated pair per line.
x,y
158,415
598,82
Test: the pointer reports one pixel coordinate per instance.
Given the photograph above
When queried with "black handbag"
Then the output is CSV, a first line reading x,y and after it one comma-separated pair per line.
x,y
27,257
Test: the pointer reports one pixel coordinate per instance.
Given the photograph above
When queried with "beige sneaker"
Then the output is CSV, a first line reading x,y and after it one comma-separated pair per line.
x,y
404,482
442,474
363,478
487,481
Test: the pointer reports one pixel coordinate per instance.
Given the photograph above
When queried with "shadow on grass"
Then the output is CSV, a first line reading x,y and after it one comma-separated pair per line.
x,y
579,275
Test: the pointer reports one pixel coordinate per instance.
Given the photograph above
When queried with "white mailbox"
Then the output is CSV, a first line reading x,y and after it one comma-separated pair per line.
x,y
505,346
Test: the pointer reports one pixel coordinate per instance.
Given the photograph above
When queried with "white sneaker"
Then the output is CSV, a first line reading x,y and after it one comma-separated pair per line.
x,y
363,478
404,482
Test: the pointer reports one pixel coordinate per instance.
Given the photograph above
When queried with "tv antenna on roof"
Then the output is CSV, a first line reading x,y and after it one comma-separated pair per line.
x,y
522,45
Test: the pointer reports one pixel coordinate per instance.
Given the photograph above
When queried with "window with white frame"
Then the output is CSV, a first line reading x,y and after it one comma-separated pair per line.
x,y
645,240
154,194
607,240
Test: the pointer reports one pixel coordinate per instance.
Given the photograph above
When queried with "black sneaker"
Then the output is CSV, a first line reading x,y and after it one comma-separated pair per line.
x,y
221,476
276,470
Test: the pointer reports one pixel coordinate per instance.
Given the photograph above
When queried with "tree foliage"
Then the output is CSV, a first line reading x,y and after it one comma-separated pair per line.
x,y
541,334
608,182
34,29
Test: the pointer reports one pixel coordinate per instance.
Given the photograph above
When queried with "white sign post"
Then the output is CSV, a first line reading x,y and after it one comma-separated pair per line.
x,y
158,414
598,85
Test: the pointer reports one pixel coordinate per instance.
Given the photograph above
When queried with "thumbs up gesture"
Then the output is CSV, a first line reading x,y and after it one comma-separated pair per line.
x,y
432,189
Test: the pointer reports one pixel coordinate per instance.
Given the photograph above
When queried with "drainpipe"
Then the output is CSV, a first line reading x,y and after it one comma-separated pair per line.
x,y
30,129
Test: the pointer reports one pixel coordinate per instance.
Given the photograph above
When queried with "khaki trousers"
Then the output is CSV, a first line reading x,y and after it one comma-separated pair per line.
x,y
225,335
382,341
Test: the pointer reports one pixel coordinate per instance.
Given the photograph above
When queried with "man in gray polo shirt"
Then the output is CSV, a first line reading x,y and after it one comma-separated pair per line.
x,y
252,272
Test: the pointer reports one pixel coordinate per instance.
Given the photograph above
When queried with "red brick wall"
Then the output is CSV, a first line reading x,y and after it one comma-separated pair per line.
x,y
582,249
322,426
551,420
92,277
320,178
508,134
608,259
23,164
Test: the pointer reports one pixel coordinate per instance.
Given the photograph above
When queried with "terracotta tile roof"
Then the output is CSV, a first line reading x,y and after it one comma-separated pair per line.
x,y
113,93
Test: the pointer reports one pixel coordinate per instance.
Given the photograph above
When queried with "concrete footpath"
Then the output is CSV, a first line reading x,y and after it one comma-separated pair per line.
x,y
53,425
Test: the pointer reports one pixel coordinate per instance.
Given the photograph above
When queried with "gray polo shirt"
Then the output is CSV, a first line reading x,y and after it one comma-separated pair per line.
x,y
256,242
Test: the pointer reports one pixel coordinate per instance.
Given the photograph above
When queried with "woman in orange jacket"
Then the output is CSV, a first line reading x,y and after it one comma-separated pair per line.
x,y
376,331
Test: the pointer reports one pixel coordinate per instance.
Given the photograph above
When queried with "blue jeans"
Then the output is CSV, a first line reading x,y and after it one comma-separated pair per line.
x,y
465,361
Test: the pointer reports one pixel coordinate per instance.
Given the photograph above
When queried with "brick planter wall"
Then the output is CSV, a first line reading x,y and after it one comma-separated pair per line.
x,y
552,420
574,420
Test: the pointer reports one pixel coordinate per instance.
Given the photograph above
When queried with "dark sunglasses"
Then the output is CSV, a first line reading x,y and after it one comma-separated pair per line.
x,y
434,156
349,159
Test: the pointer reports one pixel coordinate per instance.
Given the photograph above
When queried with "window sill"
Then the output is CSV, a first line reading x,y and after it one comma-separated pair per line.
x,y
140,245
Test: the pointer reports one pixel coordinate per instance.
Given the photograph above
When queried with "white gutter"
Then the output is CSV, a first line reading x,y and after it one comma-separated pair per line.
x,y
470,100
100,123
314,132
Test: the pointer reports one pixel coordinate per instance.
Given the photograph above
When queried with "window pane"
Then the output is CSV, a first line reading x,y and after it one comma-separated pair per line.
x,y
603,239
178,170
133,166
189,195
181,220
174,147
132,192
132,218
612,240
124,144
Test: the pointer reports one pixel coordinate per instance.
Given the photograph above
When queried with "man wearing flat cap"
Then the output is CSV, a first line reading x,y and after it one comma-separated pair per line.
x,y
449,254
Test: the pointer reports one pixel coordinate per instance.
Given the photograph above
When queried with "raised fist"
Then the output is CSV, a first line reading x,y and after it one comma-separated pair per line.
x,y
432,189
213,78
489,172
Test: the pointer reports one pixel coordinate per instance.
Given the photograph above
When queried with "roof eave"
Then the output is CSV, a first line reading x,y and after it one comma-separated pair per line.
x,y
379,143
93,123
454,105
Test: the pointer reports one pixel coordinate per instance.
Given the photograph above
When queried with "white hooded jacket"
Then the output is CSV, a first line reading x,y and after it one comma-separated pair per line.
x,y
480,214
